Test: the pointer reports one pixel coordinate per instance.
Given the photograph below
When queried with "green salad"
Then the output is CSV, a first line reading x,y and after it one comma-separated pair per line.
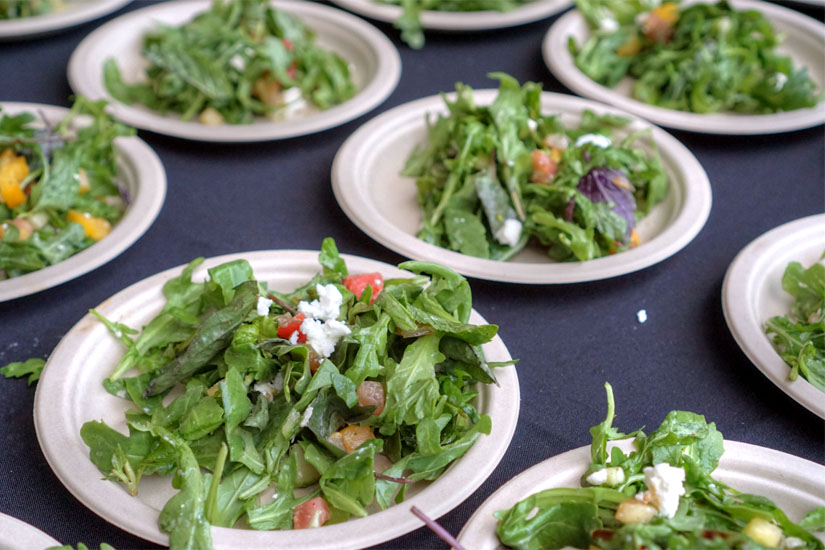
x,y
799,338
491,178
703,58
15,9
58,186
238,60
287,404
410,21
661,495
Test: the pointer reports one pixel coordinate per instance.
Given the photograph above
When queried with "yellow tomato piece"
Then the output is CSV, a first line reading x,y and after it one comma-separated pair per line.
x,y
634,238
667,12
83,182
556,154
353,436
12,193
95,228
6,156
630,48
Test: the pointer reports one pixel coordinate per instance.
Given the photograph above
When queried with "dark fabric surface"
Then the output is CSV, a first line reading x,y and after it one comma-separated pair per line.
x,y
570,338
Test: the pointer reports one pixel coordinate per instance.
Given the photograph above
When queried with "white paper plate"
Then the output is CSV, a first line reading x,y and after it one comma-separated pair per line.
x,y
752,293
796,485
139,170
370,190
461,21
75,12
804,43
70,393
375,68
16,534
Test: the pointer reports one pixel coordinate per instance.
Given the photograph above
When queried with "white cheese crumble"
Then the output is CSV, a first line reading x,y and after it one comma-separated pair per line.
x,y
641,315
792,542
326,307
781,80
532,124
291,95
608,24
306,417
559,141
324,336
269,389
509,233
262,307
665,484
238,62
610,476
596,139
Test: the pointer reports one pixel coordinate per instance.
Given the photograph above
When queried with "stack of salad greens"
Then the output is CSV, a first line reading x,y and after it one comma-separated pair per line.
x,y
14,9
491,177
260,409
240,59
704,58
799,338
58,187
410,21
707,515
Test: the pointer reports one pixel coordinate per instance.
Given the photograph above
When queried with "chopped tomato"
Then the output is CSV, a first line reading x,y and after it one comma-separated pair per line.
x,y
292,70
288,45
543,167
288,325
354,435
358,283
371,394
312,513
659,24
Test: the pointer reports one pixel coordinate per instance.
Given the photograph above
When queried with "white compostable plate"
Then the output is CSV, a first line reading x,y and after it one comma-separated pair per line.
x,y
74,13
70,392
367,183
139,171
752,293
15,534
375,68
460,21
804,43
796,485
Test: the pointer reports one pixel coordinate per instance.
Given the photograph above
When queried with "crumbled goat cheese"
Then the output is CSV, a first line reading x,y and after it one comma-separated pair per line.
x,y
781,79
306,417
324,336
269,389
238,62
610,476
291,95
509,233
559,141
792,542
596,139
293,338
641,315
608,24
665,484
326,307
532,124
263,306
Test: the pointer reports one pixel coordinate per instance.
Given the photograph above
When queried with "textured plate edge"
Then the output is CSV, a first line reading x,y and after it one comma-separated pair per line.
x,y
565,70
37,26
440,505
375,93
683,229
151,193
736,309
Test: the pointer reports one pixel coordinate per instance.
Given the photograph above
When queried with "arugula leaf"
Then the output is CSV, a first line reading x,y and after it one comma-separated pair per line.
x,y
30,367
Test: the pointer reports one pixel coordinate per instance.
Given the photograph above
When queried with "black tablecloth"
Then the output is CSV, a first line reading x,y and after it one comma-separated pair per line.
x,y
570,338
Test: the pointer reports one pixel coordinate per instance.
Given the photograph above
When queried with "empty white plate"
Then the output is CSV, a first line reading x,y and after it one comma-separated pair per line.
x,y
70,392
752,293
375,68
16,534
367,181
804,43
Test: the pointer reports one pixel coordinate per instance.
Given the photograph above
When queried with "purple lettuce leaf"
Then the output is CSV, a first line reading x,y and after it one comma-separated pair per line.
x,y
612,186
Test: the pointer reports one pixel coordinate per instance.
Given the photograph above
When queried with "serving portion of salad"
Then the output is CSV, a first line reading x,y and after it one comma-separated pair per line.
x,y
799,338
491,178
58,186
15,9
238,60
661,495
409,23
701,58
294,410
